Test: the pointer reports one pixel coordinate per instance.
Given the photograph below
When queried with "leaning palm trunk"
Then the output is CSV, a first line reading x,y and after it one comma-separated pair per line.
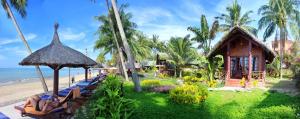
x,y
282,41
116,40
38,70
131,61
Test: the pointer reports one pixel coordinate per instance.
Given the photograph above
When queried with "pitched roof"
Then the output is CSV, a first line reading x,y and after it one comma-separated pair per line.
x,y
270,53
57,55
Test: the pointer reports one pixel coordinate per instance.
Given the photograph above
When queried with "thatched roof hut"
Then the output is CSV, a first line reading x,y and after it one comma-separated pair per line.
x,y
56,55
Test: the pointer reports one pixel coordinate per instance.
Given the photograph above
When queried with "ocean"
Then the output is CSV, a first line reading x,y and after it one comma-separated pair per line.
x,y
13,75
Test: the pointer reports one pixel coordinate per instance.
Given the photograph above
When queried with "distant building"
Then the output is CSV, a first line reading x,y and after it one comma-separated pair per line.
x,y
276,45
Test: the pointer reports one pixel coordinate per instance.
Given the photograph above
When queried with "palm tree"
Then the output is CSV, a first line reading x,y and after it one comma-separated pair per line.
x,y
181,52
235,18
204,35
276,15
20,6
117,44
130,58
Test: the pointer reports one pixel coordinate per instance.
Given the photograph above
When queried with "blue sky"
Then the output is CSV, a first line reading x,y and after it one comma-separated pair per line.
x,y
77,29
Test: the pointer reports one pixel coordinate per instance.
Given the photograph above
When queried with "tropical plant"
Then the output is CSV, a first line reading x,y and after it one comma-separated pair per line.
x,y
108,102
20,7
181,52
273,69
204,35
234,17
278,14
213,66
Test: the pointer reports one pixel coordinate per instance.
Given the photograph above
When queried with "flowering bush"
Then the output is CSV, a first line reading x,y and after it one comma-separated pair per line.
x,y
162,75
243,82
150,83
212,83
191,79
189,94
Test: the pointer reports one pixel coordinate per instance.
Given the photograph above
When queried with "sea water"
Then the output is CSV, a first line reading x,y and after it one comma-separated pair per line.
x,y
14,75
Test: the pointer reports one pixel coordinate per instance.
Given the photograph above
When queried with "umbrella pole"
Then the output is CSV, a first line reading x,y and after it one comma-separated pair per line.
x,y
69,77
86,73
55,81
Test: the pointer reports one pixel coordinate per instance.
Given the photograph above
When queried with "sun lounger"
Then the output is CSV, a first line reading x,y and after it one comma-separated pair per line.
x,y
2,116
31,112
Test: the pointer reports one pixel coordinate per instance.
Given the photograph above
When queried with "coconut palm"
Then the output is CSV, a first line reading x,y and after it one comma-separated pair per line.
x,y
234,17
181,52
277,14
120,53
130,57
19,6
204,35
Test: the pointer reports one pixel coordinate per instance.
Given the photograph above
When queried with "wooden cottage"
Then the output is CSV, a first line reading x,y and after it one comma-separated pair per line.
x,y
243,51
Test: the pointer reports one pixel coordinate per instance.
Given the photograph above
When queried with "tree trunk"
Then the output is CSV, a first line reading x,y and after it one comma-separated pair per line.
x,y
116,40
131,60
282,39
38,70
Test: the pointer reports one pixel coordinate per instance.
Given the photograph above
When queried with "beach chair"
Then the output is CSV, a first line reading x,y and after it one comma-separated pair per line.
x,y
31,112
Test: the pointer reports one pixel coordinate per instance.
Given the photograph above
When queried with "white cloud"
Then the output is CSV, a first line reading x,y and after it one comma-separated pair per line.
x,y
16,50
28,37
69,34
165,32
146,15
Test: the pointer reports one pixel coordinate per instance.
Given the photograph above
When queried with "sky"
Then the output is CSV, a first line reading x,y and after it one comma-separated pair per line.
x,y
77,24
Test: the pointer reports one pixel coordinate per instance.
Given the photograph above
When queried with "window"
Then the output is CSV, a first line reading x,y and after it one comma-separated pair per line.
x,y
254,63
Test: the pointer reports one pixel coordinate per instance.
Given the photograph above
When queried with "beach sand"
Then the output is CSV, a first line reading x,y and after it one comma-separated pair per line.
x,y
17,92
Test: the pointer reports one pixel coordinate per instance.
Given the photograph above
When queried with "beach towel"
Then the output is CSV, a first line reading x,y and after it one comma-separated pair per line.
x,y
2,116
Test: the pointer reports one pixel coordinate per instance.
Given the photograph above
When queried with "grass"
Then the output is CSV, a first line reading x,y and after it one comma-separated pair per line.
x,y
219,105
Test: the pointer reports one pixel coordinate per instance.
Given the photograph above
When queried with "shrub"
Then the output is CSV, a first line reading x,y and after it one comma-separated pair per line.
x,y
162,75
189,94
212,83
107,102
162,89
191,79
187,73
150,83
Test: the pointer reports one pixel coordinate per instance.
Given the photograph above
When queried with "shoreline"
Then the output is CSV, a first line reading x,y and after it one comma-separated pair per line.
x,y
19,91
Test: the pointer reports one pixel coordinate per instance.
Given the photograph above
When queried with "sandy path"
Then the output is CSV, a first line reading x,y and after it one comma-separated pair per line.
x,y
17,92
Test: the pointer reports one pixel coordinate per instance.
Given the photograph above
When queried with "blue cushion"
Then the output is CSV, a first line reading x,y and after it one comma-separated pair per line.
x,y
2,116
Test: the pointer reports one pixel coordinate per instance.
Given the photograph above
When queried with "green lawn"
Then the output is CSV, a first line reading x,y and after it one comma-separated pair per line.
x,y
219,105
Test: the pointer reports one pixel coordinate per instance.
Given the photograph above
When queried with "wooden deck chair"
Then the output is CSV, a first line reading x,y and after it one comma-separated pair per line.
x,y
31,112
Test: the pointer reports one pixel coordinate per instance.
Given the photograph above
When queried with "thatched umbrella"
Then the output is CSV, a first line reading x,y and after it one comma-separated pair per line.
x,y
56,56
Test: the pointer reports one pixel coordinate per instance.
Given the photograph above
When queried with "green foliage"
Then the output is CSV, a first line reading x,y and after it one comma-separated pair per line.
x,y
277,14
180,52
273,69
138,43
192,80
189,94
213,66
163,75
187,73
107,102
204,35
218,105
234,17
150,83
212,83
275,112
